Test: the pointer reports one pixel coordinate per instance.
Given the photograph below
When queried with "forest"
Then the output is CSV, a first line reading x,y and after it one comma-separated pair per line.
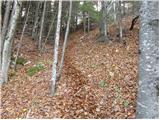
x,y
84,59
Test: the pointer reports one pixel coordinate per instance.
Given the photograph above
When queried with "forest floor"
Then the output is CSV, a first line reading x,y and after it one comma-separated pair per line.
x,y
99,80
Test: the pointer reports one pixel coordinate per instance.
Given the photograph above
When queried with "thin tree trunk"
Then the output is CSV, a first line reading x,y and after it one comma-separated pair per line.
x,y
54,73
21,39
4,28
103,22
8,41
120,20
148,90
41,28
65,40
84,23
88,22
50,28
124,11
115,14
1,39
76,22
35,21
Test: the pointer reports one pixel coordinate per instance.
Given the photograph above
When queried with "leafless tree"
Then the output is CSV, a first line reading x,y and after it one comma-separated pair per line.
x,y
54,72
65,40
4,28
41,27
21,39
6,56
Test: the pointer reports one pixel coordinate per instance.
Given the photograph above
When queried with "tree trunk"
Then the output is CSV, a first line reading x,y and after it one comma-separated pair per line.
x,y
49,31
120,20
148,92
9,40
21,39
35,21
103,22
54,73
41,28
48,15
115,13
65,40
1,39
124,10
84,23
4,28
88,23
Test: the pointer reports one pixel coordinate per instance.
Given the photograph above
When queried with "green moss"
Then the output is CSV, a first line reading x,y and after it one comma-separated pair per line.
x,y
102,83
20,60
93,66
35,69
125,103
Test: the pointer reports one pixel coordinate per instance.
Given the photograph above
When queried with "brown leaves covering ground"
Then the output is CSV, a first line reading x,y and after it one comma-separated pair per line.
x,y
99,80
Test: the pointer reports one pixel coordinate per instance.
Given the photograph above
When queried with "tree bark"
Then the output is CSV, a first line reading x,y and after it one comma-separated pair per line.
x,y
65,40
103,22
4,28
1,39
115,13
84,23
35,21
8,41
88,23
41,28
54,72
120,20
124,9
148,91
49,31
21,39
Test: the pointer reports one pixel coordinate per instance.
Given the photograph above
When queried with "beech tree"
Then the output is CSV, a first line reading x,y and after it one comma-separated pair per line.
x,y
0,35
41,28
36,17
21,38
103,22
65,40
147,101
4,27
120,19
6,56
49,31
56,45
115,12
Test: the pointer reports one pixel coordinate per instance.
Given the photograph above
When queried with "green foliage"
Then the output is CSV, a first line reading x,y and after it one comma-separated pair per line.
x,y
93,66
102,83
35,69
117,89
88,6
50,62
125,103
20,60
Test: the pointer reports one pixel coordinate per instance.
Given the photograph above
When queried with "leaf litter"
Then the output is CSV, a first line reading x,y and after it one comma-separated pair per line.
x,y
98,80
